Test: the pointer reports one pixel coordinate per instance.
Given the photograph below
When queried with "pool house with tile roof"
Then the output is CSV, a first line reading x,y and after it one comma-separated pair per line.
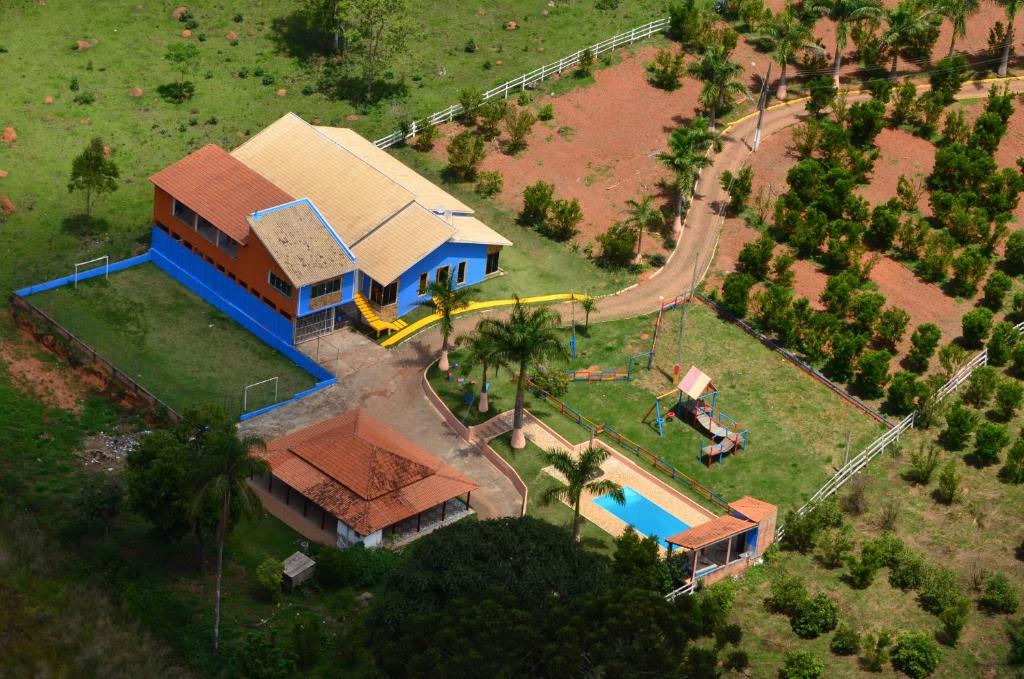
x,y
319,227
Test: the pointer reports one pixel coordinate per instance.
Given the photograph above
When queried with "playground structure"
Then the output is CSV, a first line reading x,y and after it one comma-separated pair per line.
x,y
696,402
610,375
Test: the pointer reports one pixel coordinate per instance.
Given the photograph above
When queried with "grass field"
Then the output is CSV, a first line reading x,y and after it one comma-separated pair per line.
x,y
147,133
798,429
528,463
172,342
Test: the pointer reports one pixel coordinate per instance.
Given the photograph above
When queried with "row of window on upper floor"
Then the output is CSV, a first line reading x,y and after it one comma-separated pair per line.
x,y
190,218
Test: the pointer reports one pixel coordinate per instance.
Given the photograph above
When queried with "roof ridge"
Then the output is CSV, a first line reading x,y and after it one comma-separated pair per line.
x,y
399,211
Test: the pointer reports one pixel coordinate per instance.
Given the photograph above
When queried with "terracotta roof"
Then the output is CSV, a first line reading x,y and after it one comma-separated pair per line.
x,y
302,244
397,244
354,196
220,188
427,193
362,472
713,531
752,508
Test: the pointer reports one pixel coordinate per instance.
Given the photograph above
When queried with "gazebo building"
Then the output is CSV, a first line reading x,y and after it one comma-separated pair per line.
x,y
353,479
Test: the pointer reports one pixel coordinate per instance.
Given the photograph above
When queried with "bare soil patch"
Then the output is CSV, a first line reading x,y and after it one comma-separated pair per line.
x,y
55,387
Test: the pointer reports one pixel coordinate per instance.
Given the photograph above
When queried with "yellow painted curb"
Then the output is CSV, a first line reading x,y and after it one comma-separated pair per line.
x,y
413,328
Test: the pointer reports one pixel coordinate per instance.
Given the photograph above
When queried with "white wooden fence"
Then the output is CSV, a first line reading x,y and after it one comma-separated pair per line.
x,y
530,80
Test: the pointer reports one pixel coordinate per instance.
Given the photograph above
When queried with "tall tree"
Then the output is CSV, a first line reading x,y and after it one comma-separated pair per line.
x,y
524,338
788,35
447,300
221,478
846,13
905,23
1011,7
688,147
721,79
643,215
329,16
957,12
93,173
379,31
480,351
580,476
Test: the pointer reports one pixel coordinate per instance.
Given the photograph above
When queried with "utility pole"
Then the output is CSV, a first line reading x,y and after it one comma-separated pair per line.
x,y
682,315
761,106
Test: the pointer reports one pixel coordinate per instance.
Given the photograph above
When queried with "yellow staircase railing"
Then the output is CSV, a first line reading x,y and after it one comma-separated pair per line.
x,y
373,320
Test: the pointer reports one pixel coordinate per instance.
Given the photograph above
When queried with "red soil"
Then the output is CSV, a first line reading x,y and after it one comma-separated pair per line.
x,y
56,389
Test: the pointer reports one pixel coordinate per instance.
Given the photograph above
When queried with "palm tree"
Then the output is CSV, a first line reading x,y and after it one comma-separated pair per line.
x,y
589,305
642,216
525,337
846,13
788,35
579,475
906,21
1011,7
957,12
687,154
447,300
222,480
721,78
480,351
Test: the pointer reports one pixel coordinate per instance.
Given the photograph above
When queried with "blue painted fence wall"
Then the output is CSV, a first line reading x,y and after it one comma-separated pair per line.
x,y
85,275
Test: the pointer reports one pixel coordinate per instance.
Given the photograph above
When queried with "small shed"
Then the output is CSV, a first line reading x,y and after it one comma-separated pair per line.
x,y
297,569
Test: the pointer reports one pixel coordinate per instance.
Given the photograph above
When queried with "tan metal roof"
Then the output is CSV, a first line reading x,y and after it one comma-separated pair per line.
x,y
354,196
428,194
301,244
472,230
403,240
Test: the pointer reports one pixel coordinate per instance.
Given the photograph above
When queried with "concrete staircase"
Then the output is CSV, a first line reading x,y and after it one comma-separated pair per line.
x,y
494,427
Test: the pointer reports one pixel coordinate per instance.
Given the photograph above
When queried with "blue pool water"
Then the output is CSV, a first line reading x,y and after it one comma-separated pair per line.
x,y
645,516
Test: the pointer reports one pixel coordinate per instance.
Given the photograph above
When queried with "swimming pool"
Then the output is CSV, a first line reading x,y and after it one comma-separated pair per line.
x,y
645,516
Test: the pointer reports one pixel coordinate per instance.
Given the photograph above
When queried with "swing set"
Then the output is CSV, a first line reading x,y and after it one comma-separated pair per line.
x,y
696,403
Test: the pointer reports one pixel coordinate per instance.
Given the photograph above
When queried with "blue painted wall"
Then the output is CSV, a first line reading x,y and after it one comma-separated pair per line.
x,y
347,282
449,254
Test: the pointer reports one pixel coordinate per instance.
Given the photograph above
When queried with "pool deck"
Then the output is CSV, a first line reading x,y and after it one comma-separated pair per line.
x,y
625,472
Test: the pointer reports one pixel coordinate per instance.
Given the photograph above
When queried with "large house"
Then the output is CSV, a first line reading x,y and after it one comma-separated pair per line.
x,y
302,226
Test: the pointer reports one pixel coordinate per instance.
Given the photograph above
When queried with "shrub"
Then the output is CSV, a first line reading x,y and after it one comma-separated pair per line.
x,y
865,121
85,98
948,77
736,293
268,576
263,657
426,137
862,571
904,392
546,112
307,640
586,63
489,184
996,287
739,187
737,661
1017,358
885,222
823,93
968,270
923,463
1013,256
948,490
801,665
960,423
835,544
876,650
564,218
998,595
939,590
470,47
907,570
989,441
1013,470
1009,395
814,617
903,103
975,326
755,257
845,348
873,372
490,114
953,620
465,153
1000,345
470,100
536,203
518,123
666,69
617,244
846,641
1015,630
981,385
786,594
916,654
924,340
892,326
555,383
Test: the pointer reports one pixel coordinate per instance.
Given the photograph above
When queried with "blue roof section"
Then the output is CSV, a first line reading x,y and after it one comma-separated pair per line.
x,y
306,201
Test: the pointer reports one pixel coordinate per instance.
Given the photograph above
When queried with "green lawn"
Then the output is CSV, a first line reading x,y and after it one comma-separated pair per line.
x,y
528,463
797,428
147,133
172,342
